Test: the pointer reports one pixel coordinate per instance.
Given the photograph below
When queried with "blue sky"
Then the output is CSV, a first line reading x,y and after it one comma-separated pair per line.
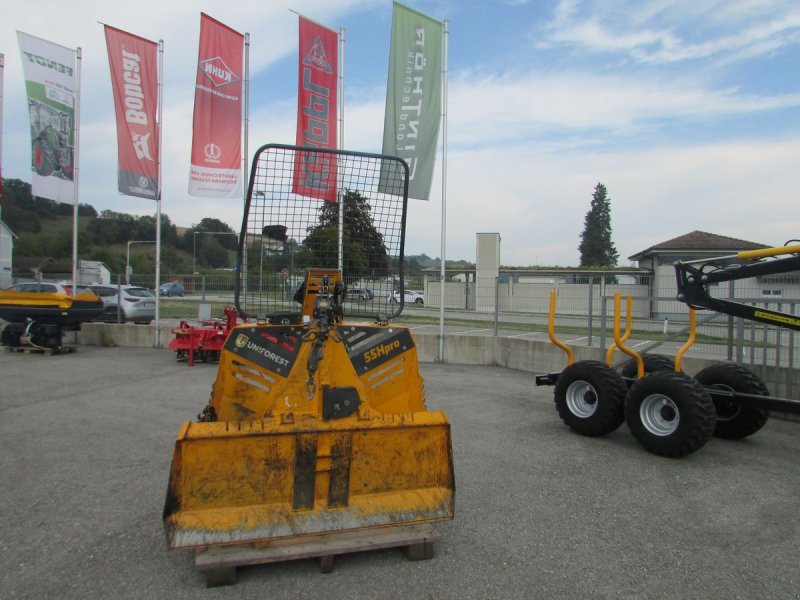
x,y
688,112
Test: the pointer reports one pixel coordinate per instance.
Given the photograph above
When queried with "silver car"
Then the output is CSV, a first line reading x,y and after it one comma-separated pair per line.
x,y
126,302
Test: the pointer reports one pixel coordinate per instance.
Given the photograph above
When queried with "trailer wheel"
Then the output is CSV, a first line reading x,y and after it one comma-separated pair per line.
x,y
735,420
590,398
669,413
652,363
45,336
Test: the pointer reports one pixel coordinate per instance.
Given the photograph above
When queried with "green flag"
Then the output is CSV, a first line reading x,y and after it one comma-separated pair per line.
x,y
413,97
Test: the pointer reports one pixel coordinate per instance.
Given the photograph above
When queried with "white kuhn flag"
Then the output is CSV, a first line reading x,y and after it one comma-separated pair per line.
x,y
216,169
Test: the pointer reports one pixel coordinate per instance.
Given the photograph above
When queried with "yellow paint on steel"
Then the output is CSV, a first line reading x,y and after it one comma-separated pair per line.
x,y
236,484
625,336
45,299
315,281
271,466
551,330
244,390
619,341
785,319
689,342
766,252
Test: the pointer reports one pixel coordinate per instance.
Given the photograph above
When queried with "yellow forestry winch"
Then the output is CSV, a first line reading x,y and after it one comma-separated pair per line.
x,y
315,425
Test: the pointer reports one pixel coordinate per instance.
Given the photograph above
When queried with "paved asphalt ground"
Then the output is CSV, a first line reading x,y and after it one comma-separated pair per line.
x,y
540,512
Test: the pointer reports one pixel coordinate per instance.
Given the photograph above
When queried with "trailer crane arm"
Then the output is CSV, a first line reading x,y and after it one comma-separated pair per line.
x,y
695,277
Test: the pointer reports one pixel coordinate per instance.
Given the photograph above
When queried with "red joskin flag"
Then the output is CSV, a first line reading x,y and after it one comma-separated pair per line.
x,y
315,176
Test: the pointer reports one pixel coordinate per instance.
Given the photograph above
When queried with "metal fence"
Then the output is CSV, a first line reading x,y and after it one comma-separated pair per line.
x,y
517,304
659,323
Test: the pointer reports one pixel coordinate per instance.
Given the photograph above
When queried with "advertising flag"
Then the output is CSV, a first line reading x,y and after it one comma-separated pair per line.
x,y
216,169
134,82
316,110
414,96
50,83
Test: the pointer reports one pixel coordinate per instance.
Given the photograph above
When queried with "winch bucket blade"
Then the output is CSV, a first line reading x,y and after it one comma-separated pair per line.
x,y
241,483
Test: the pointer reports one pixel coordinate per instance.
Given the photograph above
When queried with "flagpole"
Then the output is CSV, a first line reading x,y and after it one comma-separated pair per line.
x,y
341,88
340,99
158,195
76,171
445,38
245,174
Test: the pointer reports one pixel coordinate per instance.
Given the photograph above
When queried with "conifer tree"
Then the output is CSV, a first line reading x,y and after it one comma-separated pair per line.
x,y
596,247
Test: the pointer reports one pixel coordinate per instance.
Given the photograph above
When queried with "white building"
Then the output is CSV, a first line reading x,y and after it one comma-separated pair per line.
x,y
699,245
6,254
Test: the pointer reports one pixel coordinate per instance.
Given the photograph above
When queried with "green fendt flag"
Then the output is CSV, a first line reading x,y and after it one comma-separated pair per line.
x,y
413,97
51,85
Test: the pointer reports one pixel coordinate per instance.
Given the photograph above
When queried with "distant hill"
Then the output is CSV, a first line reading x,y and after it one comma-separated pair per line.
x,y
423,261
44,228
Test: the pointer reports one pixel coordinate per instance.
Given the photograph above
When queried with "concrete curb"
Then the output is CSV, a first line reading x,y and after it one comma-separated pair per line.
x,y
533,356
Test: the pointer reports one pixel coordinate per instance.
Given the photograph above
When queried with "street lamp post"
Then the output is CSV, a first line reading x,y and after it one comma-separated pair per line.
x,y
128,258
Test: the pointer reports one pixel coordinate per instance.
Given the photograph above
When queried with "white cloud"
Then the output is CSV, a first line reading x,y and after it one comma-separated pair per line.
x,y
518,105
537,201
664,32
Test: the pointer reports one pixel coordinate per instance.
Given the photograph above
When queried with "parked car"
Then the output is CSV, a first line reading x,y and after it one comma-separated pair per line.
x,y
360,294
46,287
409,297
131,302
173,288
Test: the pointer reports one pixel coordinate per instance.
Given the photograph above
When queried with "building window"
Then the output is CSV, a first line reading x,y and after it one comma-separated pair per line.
x,y
772,292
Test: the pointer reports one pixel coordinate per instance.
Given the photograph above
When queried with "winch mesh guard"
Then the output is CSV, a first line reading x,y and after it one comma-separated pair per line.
x,y
285,231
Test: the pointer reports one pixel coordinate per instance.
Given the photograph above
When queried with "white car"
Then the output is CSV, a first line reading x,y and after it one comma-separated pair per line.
x,y
132,302
360,294
409,297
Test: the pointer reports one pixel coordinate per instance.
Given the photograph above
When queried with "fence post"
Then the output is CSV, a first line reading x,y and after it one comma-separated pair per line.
x,y
591,297
119,300
496,303
790,358
603,308
203,287
739,340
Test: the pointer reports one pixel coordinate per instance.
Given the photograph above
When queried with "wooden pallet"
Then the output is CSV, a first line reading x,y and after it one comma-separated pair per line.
x,y
36,350
219,563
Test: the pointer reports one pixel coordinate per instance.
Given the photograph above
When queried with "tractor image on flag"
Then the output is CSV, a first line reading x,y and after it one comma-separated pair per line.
x,y
317,439
50,150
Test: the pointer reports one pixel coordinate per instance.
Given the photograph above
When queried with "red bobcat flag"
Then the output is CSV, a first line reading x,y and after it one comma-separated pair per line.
x,y
134,81
216,169
314,175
